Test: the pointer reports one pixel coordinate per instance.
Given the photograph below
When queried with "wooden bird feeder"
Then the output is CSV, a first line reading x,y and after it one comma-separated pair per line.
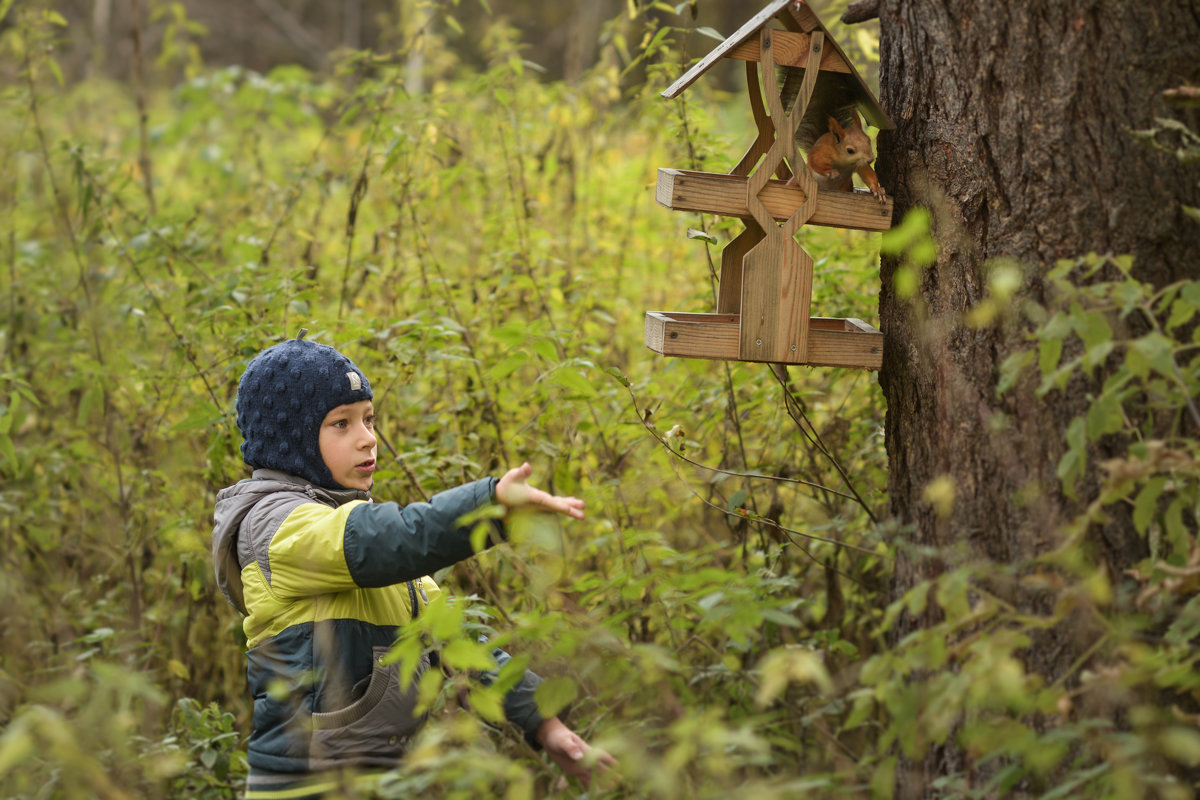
x,y
765,294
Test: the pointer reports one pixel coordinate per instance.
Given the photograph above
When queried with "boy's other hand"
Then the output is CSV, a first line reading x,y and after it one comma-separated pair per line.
x,y
568,749
513,492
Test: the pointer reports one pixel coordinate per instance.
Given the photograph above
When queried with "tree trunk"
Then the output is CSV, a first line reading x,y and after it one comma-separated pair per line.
x,y
1011,127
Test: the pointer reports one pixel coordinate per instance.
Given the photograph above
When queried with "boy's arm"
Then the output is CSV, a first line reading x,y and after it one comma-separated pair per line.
x,y
519,706
317,549
386,543
513,491
566,748
569,750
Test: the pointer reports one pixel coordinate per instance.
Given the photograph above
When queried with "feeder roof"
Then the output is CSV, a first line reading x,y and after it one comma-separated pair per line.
x,y
797,17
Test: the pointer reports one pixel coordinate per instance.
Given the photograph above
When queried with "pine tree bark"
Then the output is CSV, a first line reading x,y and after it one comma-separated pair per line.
x,y
1012,128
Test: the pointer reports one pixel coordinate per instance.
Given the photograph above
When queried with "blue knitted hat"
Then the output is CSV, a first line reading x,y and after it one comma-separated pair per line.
x,y
283,396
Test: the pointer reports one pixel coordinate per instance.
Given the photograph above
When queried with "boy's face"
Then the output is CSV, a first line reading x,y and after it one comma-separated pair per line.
x,y
347,442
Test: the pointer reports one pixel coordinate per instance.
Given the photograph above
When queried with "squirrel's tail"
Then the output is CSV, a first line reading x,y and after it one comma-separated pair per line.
x,y
828,100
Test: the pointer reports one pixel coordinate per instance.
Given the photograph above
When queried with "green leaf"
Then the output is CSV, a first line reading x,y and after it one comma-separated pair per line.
x,y
203,416
570,379
1104,416
56,71
883,779
913,228
1182,310
710,33
916,598
554,694
1058,327
1190,292
446,618
511,334
1096,355
465,655
1186,625
785,665
1049,353
487,704
1177,531
1181,744
620,376
905,281
779,617
1093,329
1155,349
864,705
1011,369
10,453
1073,462
545,348
1147,503
507,366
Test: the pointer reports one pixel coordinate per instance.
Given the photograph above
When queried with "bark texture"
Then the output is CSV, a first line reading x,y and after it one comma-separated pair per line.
x,y
1011,127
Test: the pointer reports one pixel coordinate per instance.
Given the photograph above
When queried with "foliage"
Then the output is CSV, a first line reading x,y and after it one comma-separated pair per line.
x,y
485,251
1122,720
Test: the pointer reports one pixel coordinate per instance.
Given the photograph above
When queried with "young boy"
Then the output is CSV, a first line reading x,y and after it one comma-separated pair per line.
x,y
326,577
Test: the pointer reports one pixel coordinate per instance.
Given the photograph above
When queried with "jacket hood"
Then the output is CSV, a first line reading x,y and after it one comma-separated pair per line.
x,y
235,502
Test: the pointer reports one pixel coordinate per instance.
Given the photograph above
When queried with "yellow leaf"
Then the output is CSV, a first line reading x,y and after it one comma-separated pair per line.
x,y
939,493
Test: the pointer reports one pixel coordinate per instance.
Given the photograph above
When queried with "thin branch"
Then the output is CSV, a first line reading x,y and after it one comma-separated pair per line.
x,y
490,406
412,476
102,190
757,475
139,82
861,11
798,415
772,523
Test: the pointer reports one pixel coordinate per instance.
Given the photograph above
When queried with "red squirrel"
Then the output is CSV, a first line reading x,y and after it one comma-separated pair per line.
x,y
838,154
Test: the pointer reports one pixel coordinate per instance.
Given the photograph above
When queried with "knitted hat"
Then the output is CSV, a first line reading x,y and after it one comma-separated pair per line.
x,y
284,395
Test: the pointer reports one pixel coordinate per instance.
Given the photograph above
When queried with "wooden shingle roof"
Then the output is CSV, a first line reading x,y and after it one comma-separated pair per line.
x,y
790,49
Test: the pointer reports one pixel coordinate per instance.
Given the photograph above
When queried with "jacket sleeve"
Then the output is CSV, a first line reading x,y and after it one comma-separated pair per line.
x,y
317,549
519,706
386,543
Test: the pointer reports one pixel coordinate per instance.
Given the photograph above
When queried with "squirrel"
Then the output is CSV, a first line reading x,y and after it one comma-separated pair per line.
x,y
844,148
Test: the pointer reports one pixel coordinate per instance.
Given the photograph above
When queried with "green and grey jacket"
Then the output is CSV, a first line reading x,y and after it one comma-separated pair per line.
x,y
326,580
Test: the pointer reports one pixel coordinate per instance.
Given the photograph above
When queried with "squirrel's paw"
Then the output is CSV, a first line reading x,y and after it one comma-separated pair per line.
x,y
880,194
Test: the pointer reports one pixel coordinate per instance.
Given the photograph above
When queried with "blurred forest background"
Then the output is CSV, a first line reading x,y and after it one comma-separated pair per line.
x,y
460,196
565,38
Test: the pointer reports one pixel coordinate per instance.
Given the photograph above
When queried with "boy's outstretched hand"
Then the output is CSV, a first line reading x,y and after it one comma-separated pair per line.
x,y
513,492
568,749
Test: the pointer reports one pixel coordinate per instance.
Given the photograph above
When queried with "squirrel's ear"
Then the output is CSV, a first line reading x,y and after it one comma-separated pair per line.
x,y
836,129
854,116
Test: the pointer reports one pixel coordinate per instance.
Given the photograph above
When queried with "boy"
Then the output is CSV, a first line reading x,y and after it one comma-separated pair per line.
x,y
327,577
